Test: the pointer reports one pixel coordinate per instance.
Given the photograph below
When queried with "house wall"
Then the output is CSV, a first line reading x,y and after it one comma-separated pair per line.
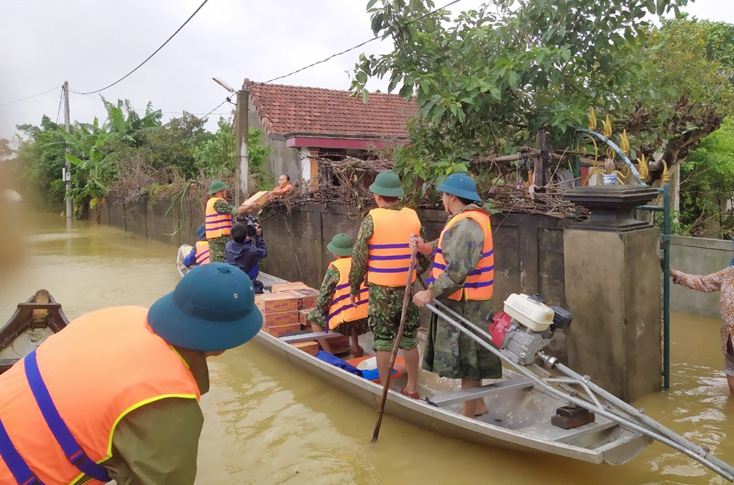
x,y
282,159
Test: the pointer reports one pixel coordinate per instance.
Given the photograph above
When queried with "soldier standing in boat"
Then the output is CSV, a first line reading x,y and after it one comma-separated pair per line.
x,y
462,277
382,255
116,394
219,215
334,311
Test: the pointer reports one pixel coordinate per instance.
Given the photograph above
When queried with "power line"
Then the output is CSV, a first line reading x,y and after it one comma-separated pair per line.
x,y
58,112
357,46
29,97
150,56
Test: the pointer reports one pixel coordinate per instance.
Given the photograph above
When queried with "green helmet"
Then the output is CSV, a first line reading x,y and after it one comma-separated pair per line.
x,y
216,186
387,184
341,245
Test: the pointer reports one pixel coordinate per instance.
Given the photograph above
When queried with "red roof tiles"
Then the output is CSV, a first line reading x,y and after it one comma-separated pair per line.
x,y
296,110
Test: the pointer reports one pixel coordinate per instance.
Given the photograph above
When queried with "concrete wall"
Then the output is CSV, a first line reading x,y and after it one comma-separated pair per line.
x,y
697,256
528,248
282,159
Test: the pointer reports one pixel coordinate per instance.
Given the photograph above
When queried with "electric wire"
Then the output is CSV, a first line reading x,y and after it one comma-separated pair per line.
x,y
58,112
29,97
357,46
154,53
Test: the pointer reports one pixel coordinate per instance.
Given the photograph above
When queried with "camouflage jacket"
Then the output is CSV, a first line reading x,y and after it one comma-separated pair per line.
x,y
722,281
224,207
326,295
360,253
462,250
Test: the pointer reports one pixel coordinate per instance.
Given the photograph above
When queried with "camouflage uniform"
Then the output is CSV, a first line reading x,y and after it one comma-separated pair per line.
x,y
449,352
326,295
386,303
216,245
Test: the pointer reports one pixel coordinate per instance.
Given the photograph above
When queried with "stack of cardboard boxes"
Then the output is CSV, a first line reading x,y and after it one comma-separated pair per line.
x,y
285,309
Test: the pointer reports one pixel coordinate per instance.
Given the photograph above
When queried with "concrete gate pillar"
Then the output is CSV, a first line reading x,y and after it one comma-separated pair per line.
x,y
613,290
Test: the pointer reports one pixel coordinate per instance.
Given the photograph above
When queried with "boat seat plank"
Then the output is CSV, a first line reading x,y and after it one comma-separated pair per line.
x,y
39,306
301,337
549,432
482,391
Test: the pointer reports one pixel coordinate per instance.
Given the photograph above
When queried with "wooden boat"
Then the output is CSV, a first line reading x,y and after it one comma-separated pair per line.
x,y
33,321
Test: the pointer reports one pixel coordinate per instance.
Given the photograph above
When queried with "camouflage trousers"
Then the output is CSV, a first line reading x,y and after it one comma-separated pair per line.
x,y
383,316
216,249
451,353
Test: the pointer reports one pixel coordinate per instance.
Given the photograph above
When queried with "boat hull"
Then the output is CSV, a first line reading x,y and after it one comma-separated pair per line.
x,y
621,445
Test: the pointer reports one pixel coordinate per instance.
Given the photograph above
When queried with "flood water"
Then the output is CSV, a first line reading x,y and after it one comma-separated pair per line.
x,y
269,423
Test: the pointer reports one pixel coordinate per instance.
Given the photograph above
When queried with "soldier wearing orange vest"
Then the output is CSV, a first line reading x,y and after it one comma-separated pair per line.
x,y
334,309
200,252
382,255
219,215
462,277
115,395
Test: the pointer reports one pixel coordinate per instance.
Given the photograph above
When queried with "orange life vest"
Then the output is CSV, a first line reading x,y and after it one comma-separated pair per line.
x,y
480,281
98,369
217,224
202,252
389,251
341,309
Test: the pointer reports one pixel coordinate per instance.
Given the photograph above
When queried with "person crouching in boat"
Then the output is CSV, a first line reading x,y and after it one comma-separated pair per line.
x,y
382,254
200,252
462,277
115,395
334,310
722,281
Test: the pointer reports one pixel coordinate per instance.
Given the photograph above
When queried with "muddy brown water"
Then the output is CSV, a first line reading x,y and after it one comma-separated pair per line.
x,y
269,423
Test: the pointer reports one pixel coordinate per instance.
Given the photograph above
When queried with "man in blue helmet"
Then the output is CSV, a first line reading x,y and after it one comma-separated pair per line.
x,y
462,277
115,395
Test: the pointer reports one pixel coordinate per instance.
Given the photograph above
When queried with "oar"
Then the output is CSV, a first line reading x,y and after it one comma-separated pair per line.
x,y
396,345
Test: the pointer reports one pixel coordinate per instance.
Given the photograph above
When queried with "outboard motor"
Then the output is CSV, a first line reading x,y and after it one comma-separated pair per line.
x,y
526,326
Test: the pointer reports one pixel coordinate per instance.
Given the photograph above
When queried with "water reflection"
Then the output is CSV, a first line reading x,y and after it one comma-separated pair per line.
x,y
270,423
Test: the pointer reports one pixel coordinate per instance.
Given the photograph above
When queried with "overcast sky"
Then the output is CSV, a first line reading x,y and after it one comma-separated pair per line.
x,y
93,43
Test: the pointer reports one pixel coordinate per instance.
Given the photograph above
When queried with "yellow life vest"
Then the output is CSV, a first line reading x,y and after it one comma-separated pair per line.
x,y
480,281
341,309
389,250
116,365
202,252
217,224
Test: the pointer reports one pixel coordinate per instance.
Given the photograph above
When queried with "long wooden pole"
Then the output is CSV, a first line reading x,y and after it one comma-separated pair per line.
x,y
396,345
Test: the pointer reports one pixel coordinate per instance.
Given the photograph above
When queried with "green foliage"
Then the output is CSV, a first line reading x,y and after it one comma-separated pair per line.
x,y
707,185
489,81
215,157
40,157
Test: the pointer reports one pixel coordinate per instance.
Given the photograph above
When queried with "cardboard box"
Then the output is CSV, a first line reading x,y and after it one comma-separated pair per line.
x,y
306,297
309,346
260,198
288,286
303,316
280,318
277,302
280,330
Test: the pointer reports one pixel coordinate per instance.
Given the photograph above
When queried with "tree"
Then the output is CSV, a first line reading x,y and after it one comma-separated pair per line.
x,y
488,82
707,185
40,156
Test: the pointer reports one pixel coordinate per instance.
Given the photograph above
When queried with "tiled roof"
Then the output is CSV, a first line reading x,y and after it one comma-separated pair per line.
x,y
296,110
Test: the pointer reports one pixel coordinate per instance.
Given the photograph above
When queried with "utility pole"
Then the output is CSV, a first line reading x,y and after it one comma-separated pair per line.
x,y
66,173
242,170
